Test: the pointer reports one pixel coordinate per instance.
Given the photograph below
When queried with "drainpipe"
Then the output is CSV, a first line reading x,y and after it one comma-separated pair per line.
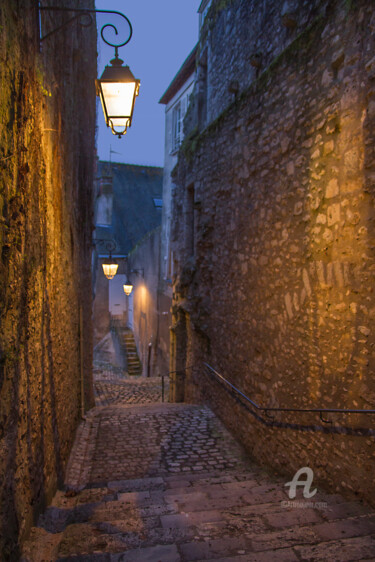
x,y
149,359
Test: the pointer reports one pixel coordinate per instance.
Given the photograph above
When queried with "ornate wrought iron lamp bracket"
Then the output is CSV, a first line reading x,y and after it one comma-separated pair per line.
x,y
109,245
80,14
140,272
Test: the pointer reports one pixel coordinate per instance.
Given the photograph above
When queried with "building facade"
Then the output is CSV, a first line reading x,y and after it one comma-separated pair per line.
x,y
176,100
273,233
127,208
143,266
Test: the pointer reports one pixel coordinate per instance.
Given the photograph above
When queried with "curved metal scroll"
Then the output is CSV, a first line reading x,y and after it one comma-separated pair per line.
x,y
109,244
82,13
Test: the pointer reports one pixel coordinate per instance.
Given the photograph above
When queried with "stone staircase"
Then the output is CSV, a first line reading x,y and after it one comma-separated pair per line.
x,y
229,517
178,488
133,362
127,344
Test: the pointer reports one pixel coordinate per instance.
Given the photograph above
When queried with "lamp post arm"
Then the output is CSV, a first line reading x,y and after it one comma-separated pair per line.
x,y
82,12
110,245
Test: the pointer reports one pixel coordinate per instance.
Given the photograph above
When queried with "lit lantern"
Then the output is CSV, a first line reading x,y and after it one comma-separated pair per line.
x,y
110,268
117,89
128,287
117,86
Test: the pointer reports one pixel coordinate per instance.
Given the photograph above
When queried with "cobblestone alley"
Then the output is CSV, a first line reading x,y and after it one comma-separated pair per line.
x,y
154,482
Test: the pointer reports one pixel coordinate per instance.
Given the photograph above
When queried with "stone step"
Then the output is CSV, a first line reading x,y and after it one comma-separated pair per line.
x,y
151,517
133,363
237,514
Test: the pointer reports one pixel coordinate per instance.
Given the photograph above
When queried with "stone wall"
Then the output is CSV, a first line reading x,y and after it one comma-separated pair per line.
x,y
275,245
47,125
232,55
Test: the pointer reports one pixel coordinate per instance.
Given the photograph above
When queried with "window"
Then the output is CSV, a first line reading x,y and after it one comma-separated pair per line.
x,y
158,202
178,114
176,127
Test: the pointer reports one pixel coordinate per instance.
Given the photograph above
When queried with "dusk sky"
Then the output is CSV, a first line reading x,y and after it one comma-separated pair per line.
x,y
164,33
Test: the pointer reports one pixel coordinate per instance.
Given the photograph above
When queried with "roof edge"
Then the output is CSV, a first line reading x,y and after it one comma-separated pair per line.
x,y
129,164
186,70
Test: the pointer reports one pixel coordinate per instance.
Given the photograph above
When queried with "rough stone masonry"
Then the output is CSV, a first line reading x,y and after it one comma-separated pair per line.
x,y
275,284
47,124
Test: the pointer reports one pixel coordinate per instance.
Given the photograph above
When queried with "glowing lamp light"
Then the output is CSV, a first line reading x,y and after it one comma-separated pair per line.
x,y
117,89
128,287
110,268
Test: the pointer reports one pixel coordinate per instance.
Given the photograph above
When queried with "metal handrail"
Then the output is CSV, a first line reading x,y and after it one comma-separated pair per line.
x,y
178,372
274,409
250,405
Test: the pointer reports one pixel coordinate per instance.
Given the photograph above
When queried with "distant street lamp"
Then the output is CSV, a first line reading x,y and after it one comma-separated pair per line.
x,y
117,87
109,265
128,287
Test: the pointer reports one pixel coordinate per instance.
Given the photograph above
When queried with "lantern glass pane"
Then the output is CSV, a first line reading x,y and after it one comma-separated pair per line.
x,y
128,289
110,269
118,98
103,105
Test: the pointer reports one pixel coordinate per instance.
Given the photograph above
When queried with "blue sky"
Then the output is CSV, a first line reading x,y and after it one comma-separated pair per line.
x,y
164,33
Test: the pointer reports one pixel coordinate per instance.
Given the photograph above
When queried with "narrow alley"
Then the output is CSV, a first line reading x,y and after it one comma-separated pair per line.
x,y
164,482
187,267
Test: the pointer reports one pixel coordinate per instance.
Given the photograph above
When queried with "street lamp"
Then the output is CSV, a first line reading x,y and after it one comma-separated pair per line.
x,y
128,287
109,265
117,87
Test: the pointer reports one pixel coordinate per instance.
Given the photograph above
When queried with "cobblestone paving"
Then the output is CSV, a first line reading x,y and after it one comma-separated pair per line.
x,y
137,442
167,483
113,386
106,371
139,391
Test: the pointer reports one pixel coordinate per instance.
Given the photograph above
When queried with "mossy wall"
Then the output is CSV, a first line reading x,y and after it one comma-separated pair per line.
x,y
47,126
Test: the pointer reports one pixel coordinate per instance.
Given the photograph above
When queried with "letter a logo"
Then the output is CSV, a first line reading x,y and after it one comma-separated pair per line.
x,y
305,483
